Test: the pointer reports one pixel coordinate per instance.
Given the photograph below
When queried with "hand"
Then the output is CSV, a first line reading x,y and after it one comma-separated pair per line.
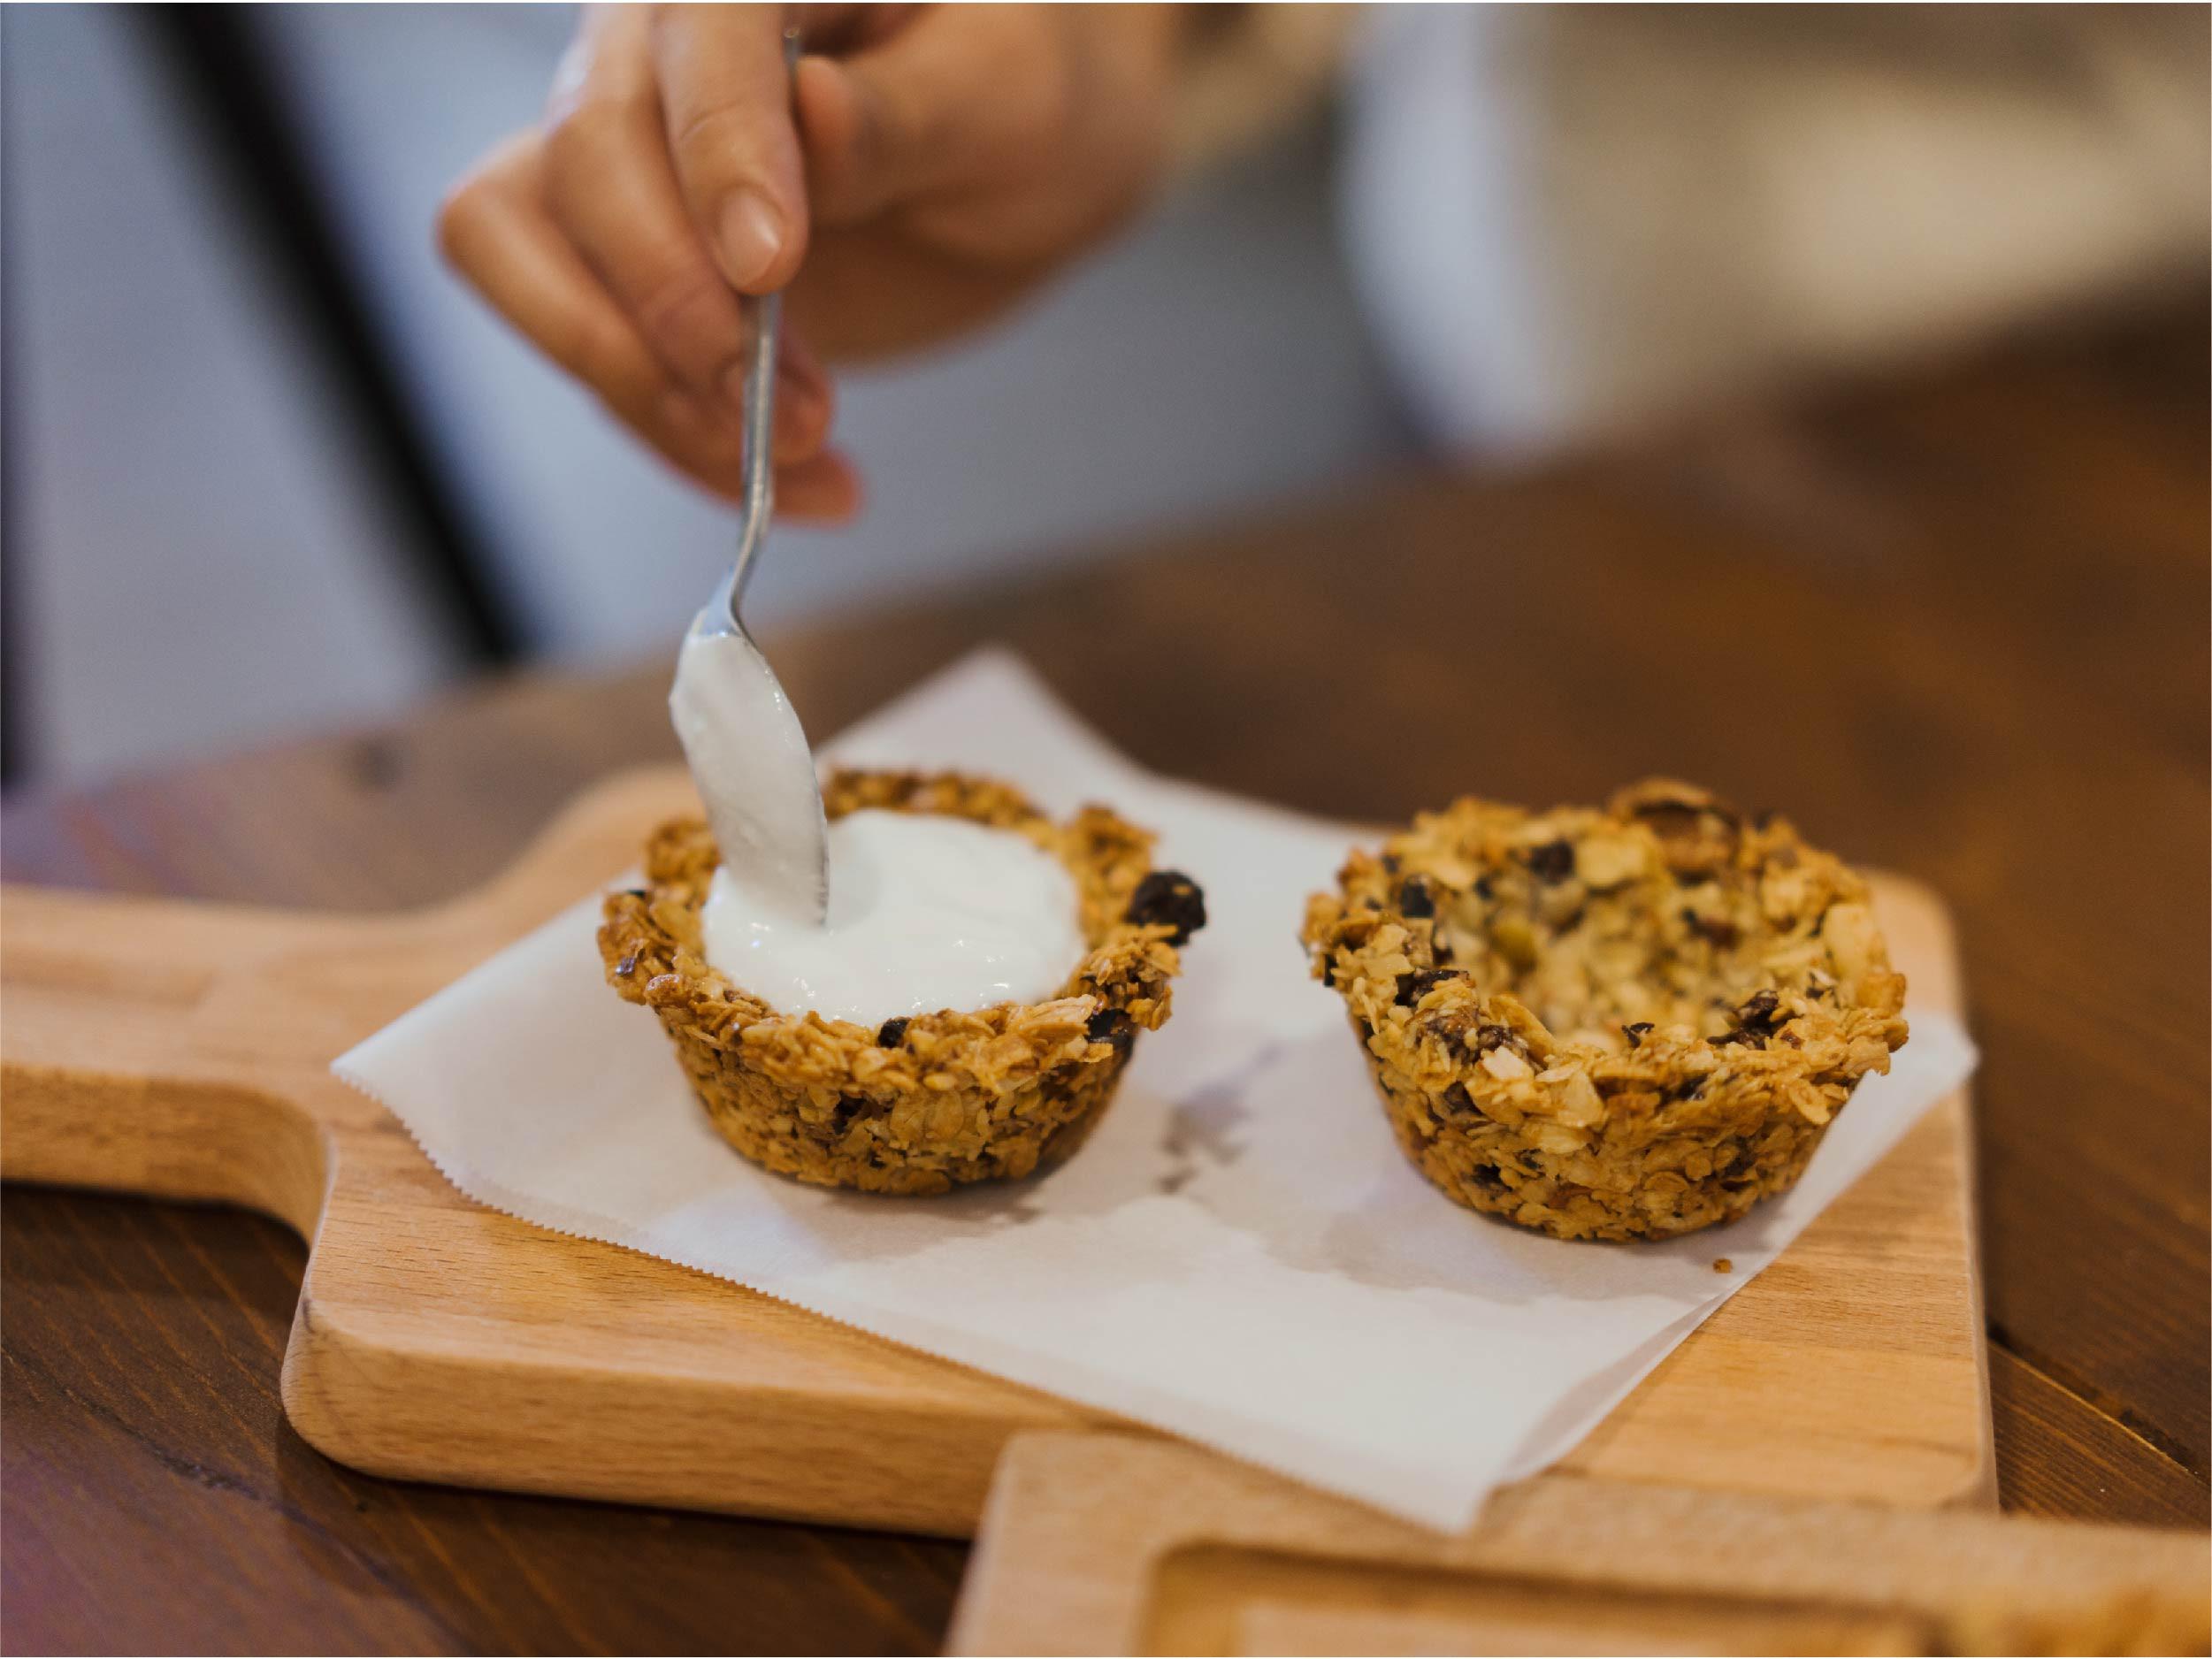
x,y
928,166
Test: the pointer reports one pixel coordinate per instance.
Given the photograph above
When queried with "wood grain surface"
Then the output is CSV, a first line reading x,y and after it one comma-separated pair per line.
x,y
182,1050
1095,1547
1953,624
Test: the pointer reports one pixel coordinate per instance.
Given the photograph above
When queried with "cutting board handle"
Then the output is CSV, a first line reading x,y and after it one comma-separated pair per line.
x,y
112,1067
182,1050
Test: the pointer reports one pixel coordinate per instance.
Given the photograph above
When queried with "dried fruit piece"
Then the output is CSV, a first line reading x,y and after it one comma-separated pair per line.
x,y
1414,986
1171,899
1552,862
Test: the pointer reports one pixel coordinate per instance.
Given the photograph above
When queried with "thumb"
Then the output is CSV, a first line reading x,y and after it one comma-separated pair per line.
x,y
881,127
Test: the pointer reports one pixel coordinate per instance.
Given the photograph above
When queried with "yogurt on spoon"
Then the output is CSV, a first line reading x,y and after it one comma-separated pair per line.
x,y
748,756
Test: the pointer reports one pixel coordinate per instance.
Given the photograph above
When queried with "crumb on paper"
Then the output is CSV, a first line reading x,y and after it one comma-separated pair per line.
x,y
1724,1266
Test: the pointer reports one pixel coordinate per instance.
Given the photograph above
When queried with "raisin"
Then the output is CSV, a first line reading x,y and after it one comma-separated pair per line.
x,y
1552,862
842,1116
1718,929
1168,899
1482,887
1758,1014
1697,835
1634,1033
1113,1028
1684,810
1456,1102
892,1033
1487,1179
1416,899
1496,1036
1747,1038
1669,820
1414,986
1389,863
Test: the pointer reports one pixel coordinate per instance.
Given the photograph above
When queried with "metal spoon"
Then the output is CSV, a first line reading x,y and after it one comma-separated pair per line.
x,y
747,751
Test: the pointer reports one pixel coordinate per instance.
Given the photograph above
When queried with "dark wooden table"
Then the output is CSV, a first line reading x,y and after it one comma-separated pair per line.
x,y
1955,625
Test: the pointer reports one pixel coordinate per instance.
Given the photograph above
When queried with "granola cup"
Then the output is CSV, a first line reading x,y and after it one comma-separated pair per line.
x,y
1624,1024
923,1104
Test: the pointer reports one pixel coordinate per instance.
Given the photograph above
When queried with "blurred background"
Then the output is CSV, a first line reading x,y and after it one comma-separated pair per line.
x,y
265,467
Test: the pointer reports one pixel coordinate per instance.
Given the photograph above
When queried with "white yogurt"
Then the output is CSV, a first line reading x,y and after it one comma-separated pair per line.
x,y
926,913
755,775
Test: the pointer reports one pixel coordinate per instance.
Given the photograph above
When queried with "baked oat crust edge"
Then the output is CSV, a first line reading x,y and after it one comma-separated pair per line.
x,y
925,1103
1624,1023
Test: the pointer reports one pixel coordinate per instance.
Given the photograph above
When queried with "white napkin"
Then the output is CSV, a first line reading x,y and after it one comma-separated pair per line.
x,y
1240,1255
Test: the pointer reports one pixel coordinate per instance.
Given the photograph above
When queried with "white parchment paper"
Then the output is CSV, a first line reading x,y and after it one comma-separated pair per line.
x,y
1240,1255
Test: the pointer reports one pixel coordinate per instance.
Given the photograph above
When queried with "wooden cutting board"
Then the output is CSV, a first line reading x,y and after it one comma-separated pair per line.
x,y
1094,1547
182,1051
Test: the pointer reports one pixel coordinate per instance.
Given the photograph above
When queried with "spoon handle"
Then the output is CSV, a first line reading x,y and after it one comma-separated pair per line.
x,y
763,317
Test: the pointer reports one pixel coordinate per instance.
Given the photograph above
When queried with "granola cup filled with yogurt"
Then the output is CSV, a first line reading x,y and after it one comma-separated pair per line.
x,y
831,1062
1620,1024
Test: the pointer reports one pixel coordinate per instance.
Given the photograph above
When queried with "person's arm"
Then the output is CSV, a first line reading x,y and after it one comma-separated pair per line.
x,y
927,165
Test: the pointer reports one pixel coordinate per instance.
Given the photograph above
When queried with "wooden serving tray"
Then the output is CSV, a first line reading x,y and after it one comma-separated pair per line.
x,y
182,1051
1093,1546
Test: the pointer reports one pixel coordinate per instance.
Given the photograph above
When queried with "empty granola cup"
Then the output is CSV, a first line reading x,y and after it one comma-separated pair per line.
x,y
925,1104
1624,1024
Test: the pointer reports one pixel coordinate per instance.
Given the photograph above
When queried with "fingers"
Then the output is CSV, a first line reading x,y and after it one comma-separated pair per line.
x,y
495,231
806,401
869,139
956,96
585,238
824,489
608,187
725,103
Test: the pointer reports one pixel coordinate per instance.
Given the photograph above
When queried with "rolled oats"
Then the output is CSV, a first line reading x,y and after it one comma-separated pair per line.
x,y
923,1103
1622,1024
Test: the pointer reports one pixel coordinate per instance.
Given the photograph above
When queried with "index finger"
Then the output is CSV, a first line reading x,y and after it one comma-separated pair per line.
x,y
725,96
